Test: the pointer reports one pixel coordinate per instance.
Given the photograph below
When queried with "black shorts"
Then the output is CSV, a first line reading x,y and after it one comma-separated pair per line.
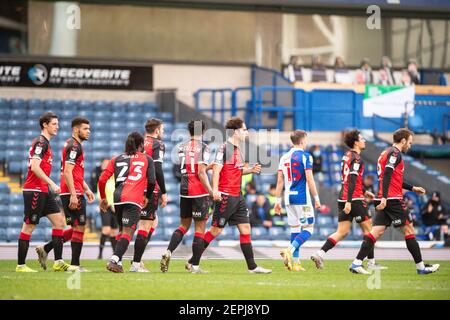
x,y
394,213
231,210
149,211
359,212
127,215
38,205
195,208
75,217
109,219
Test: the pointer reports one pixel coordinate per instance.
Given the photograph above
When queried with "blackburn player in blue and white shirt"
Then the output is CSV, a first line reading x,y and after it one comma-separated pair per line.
x,y
295,174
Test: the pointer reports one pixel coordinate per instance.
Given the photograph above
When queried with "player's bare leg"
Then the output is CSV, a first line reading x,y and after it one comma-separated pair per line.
x,y
340,234
247,249
24,243
175,241
414,249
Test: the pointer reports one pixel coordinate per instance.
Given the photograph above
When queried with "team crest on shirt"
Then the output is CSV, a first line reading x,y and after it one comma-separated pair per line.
x,y
356,166
38,150
392,159
72,155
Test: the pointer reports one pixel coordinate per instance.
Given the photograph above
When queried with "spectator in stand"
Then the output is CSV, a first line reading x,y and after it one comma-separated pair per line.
x,y
341,73
406,78
413,71
96,174
250,193
260,214
386,74
294,70
434,216
316,154
364,74
318,71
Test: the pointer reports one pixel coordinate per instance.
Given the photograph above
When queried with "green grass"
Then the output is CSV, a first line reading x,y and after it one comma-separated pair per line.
x,y
228,279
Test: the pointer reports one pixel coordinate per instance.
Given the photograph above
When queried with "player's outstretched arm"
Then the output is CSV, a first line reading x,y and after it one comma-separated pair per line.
x,y
36,169
217,168
256,168
278,191
312,188
203,176
90,195
104,177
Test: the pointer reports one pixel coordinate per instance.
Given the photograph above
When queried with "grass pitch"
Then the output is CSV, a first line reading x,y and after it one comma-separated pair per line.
x,y
228,279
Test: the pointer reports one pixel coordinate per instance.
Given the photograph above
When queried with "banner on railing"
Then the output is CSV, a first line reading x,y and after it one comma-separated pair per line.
x,y
70,75
388,101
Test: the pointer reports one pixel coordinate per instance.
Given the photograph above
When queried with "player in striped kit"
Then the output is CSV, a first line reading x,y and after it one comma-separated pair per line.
x,y
295,174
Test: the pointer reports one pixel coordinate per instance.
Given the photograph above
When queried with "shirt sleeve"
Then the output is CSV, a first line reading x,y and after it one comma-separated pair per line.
x,y
40,148
309,162
205,157
73,152
104,177
355,166
220,155
393,159
158,151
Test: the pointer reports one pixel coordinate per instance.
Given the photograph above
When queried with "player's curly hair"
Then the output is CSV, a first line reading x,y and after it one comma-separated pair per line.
x,y
351,137
134,141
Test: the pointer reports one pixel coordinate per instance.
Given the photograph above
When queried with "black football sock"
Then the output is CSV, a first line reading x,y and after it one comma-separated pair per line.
x,y
177,237
102,244
413,248
371,254
139,245
150,233
67,235
57,241
77,246
207,239
113,242
247,250
329,244
197,248
366,246
122,246
24,243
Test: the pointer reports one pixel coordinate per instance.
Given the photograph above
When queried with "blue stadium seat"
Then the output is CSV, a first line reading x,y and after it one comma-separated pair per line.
x,y
100,135
4,208
68,115
34,104
159,234
133,116
15,114
170,209
12,234
19,104
324,221
148,115
324,233
166,116
15,222
149,106
276,233
3,236
3,133
14,144
52,105
34,114
85,105
118,115
260,233
5,199
89,114
103,115
4,104
15,198
169,221
100,125
16,209
69,105
18,124
38,234
101,106
101,145
134,107
4,221
118,106
15,167
4,188
134,125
